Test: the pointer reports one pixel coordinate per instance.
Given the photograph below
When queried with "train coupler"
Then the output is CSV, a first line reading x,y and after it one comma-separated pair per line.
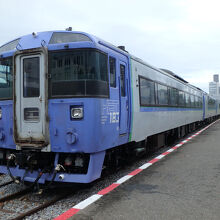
x,y
11,158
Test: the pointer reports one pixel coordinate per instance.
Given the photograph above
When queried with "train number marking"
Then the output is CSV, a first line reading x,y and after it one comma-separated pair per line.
x,y
114,117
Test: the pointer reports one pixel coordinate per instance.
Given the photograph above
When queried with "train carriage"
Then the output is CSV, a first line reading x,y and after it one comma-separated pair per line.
x,y
163,100
69,101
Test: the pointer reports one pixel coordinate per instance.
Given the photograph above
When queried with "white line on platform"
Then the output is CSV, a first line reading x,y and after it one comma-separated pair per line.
x,y
87,202
144,166
160,156
123,179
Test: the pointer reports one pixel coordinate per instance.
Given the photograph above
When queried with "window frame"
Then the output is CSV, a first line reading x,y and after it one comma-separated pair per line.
x,y
156,83
177,92
124,81
50,96
187,101
115,75
12,81
184,104
26,89
155,95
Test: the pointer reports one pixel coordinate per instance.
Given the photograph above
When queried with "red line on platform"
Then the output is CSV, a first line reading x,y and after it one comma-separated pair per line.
x,y
108,189
67,214
174,148
153,161
165,153
135,172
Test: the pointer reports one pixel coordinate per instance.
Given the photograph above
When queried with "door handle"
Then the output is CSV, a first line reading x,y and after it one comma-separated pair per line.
x,y
40,98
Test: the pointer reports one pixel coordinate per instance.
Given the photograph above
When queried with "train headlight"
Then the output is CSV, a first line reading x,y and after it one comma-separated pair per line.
x,y
0,113
76,112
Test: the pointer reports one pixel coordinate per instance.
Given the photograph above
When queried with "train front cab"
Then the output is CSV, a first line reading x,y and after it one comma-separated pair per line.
x,y
65,117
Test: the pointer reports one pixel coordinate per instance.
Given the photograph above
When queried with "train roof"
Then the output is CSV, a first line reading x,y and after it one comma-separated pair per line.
x,y
36,40
173,74
49,38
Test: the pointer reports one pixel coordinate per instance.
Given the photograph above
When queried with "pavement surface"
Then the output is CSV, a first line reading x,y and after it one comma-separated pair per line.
x,y
183,185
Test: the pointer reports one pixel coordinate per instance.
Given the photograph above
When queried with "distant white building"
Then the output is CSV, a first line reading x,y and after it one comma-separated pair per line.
x,y
214,89
216,78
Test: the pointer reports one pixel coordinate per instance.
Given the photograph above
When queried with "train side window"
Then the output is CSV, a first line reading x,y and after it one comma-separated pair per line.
x,y
200,102
197,102
193,105
173,97
6,78
147,92
112,67
162,94
122,80
188,100
181,99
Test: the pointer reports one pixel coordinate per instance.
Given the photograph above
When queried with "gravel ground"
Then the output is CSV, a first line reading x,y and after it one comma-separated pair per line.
x,y
4,178
8,189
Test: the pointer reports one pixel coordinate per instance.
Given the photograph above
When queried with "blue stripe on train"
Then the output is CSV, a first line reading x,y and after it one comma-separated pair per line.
x,y
163,109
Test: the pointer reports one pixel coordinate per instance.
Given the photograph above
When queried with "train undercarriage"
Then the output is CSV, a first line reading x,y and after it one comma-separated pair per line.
x,y
31,165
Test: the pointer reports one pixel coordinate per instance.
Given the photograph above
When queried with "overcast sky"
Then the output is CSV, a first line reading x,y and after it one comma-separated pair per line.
x,y
180,35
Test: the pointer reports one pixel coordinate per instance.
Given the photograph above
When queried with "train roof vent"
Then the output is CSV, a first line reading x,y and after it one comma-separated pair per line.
x,y
174,75
69,29
198,88
122,48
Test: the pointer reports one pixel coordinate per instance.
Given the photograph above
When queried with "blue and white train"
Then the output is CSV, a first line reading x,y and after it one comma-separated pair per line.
x,y
70,102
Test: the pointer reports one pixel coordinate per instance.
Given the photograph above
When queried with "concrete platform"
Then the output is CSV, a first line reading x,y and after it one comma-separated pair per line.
x,y
183,185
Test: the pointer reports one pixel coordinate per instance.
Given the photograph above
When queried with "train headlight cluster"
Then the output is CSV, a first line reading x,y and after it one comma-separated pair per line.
x,y
76,112
0,113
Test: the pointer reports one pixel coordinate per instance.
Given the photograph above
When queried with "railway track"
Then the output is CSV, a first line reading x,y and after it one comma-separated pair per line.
x,y
6,183
29,202
14,195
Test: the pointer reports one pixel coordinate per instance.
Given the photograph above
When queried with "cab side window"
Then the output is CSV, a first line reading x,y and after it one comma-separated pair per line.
x,y
112,67
122,80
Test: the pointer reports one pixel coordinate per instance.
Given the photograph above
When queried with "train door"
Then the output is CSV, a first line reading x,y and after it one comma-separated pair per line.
x,y
123,97
30,100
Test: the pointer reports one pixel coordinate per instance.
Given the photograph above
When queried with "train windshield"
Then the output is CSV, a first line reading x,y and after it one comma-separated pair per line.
x,y
81,72
6,78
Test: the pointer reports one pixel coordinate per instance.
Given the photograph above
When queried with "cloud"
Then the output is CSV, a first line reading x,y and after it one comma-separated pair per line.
x,y
180,35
